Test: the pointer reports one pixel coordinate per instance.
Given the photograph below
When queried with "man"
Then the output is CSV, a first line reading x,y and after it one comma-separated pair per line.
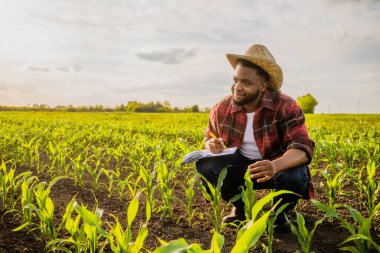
x,y
267,126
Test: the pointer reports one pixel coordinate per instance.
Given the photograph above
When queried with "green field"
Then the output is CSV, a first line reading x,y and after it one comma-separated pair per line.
x,y
134,160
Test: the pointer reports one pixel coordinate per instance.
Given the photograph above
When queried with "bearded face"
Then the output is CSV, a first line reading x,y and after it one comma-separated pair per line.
x,y
247,88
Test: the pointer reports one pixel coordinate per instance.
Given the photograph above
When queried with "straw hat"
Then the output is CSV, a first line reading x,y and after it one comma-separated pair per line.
x,y
260,55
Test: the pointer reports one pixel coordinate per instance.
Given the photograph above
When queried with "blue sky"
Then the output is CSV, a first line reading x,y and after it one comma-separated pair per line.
x,y
111,52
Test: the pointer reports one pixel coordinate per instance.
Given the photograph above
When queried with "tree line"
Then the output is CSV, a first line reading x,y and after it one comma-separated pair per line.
x,y
131,106
307,103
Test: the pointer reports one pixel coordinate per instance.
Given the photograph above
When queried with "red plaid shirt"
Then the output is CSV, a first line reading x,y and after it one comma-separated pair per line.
x,y
279,125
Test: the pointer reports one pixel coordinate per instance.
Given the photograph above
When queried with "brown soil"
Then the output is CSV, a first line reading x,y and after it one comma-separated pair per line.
x,y
327,238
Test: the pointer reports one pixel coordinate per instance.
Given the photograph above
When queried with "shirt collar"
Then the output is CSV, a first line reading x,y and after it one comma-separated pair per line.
x,y
266,102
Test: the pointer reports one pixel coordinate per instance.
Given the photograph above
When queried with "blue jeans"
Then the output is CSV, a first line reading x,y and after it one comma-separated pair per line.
x,y
294,179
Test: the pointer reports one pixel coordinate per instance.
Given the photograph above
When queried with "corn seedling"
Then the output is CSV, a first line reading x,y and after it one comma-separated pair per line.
x,y
333,185
92,226
27,198
133,186
121,240
78,170
248,196
214,195
57,156
165,178
270,229
251,232
123,184
31,154
44,210
93,171
362,235
303,235
370,188
9,183
148,179
111,180
75,230
189,194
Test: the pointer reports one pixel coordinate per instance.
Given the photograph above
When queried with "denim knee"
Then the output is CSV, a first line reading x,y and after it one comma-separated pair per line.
x,y
207,169
295,179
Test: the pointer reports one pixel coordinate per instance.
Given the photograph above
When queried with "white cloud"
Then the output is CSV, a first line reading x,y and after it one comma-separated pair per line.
x,y
340,32
168,56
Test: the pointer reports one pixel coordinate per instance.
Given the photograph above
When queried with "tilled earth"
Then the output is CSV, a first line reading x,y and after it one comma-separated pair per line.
x,y
328,237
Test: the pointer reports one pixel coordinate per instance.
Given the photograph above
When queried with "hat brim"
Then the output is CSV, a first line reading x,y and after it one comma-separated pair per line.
x,y
272,68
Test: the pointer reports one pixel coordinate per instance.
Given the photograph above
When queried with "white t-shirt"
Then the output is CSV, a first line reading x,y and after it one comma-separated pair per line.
x,y
249,147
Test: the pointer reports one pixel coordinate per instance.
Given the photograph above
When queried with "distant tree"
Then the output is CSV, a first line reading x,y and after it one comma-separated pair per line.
x,y
195,108
206,109
132,106
120,108
307,103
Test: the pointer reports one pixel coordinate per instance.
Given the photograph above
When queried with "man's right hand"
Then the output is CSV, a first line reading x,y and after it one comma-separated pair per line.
x,y
215,145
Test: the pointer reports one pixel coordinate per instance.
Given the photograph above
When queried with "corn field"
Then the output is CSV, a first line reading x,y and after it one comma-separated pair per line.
x,y
113,182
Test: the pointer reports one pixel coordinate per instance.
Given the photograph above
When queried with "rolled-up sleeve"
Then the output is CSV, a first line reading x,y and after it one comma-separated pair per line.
x,y
293,130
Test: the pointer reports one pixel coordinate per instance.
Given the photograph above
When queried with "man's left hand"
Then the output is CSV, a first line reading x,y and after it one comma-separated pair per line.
x,y
262,170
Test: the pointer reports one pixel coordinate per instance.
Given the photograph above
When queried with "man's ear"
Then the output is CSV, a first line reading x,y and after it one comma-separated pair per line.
x,y
232,88
264,86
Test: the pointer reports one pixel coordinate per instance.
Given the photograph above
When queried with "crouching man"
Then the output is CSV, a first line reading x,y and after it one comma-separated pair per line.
x,y
267,126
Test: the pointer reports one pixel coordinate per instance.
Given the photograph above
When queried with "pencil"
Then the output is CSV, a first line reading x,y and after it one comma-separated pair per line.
x,y
213,136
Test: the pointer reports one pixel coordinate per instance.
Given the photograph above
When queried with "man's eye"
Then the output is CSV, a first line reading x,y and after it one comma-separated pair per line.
x,y
246,83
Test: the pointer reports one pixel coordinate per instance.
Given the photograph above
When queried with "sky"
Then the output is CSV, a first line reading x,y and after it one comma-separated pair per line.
x,y
83,52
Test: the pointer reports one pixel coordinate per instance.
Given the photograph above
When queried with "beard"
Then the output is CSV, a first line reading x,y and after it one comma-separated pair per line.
x,y
246,100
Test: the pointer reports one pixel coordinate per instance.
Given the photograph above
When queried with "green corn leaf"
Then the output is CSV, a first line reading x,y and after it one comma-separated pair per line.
x,y
23,175
27,224
301,225
148,211
371,169
88,217
132,209
119,234
251,235
335,182
69,210
235,198
350,249
137,245
329,211
221,177
361,237
375,211
217,242
51,148
263,201
356,215
297,233
49,207
176,246
62,249
348,226
55,180
316,224
207,195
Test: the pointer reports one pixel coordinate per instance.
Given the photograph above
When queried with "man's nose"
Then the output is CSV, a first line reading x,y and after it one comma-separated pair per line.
x,y
238,86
